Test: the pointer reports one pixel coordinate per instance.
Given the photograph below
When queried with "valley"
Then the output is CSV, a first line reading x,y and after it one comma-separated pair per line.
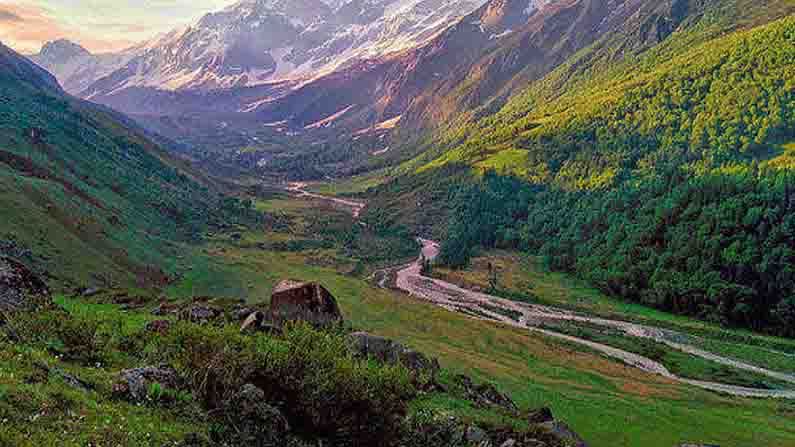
x,y
398,223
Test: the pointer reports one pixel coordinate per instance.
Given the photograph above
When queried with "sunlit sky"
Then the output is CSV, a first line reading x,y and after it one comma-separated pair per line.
x,y
98,25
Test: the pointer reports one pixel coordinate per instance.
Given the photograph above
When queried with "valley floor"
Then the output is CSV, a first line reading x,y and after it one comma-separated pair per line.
x,y
610,403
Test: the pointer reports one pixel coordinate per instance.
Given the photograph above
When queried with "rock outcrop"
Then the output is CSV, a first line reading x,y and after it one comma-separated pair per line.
x,y
486,395
134,384
19,287
392,352
304,301
199,313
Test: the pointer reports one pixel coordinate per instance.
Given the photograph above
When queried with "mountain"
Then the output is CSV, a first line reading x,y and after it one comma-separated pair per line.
x,y
259,43
86,190
660,172
74,66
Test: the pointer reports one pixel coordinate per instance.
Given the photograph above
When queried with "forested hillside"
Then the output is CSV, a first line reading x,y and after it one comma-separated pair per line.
x,y
666,179
86,196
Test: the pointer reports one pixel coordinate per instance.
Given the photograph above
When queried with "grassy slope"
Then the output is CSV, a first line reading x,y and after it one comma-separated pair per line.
x,y
610,404
95,198
592,85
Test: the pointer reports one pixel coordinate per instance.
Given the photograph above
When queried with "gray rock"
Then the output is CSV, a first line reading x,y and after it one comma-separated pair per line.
x,y
20,288
200,314
133,384
485,395
90,291
565,435
391,352
509,443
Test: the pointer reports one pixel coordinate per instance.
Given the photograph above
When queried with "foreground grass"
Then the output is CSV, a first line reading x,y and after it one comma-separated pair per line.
x,y
608,403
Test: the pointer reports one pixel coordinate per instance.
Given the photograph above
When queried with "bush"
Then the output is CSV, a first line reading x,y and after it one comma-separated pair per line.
x,y
309,374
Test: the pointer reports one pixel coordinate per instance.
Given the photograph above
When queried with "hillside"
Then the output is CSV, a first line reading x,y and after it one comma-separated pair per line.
x,y
84,193
612,171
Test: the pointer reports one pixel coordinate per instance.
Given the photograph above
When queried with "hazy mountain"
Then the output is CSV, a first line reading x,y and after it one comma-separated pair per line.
x,y
74,66
258,42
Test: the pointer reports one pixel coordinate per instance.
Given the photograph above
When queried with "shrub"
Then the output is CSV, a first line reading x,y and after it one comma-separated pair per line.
x,y
309,374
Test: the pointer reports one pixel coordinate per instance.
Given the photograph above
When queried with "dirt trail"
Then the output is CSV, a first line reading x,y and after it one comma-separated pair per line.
x,y
354,207
527,316
480,305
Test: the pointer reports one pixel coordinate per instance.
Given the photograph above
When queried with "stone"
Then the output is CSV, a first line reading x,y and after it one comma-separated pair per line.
x,y
304,301
20,288
540,416
563,434
241,313
485,395
388,351
160,327
133,384
509,443
253,323
90,291
199,313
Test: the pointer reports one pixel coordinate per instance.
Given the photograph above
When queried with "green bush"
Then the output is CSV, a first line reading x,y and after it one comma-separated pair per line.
x,y
309,374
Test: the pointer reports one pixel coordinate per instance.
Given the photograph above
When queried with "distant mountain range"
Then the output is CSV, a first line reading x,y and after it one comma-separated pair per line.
x,y
249,44
344,86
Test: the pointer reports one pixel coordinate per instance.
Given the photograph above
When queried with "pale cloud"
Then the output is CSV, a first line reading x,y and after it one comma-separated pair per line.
x,y
98,25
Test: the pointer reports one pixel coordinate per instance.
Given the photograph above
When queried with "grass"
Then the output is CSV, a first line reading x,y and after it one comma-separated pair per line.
x,y
608,403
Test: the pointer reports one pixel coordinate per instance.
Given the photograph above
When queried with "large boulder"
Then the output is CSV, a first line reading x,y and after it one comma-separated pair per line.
x,y
392,352
134,384
19,287
304,301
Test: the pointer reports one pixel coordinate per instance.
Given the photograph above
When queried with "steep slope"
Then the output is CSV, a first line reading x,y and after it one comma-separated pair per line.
x,y
84,190
665,179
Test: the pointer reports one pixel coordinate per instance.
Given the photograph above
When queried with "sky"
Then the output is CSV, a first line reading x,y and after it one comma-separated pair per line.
x,y
98,25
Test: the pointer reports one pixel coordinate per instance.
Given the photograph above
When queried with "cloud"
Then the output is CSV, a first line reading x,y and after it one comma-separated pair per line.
x,y
8,16
27,27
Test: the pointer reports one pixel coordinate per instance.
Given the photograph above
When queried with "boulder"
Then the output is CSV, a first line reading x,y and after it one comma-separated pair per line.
x,y
389,351
564,435
19,287
133,384
540,416
485,395
199,313
304,301
255,421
